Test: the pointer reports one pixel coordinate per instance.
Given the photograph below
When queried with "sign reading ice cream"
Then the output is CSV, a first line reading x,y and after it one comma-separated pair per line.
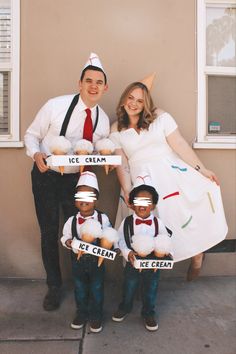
x,y
77,160
95,250
153,264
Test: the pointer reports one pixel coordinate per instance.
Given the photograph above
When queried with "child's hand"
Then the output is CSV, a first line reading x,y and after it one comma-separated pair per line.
x,y
131,257
68,243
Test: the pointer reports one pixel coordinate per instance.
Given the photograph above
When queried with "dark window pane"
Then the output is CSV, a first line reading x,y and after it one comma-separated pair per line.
x,y
4,103
221,105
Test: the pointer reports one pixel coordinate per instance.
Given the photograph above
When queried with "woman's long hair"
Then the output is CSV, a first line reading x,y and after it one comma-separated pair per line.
x,y
148,114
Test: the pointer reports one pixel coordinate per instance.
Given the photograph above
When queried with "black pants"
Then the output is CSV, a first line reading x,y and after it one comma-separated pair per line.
x,y
52,191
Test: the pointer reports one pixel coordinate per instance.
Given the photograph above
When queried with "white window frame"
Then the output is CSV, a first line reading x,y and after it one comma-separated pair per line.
x,y
13,138
205,140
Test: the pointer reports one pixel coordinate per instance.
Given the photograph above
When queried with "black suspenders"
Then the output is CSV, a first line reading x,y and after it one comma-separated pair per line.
x,y
74,228
129,229
69,113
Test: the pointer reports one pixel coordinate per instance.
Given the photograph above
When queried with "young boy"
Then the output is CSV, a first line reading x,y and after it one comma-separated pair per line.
x,y
143,199
88,277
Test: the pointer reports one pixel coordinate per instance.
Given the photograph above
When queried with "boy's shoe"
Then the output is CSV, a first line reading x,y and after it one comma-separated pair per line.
x,y
119,316
78,322
96,326
52,299
150,323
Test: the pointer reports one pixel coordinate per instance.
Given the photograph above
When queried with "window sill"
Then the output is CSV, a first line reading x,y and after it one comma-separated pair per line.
x,y
213,145
11,144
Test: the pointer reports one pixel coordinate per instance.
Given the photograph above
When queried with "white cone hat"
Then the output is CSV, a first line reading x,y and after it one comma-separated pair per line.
x,y
148,81
94,60
88,179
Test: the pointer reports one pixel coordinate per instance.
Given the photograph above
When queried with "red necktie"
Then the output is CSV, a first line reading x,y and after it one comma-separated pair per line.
x,y
141,221
88,126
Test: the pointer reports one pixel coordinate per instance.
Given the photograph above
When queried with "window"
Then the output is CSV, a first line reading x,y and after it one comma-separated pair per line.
x,y
9,73
216,36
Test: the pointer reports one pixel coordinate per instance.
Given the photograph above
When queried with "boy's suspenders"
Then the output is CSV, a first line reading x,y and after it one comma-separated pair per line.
x,y
74,228
156,226
129,229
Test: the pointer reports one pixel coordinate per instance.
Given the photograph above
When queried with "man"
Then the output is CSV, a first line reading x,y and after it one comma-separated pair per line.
x,y
75,117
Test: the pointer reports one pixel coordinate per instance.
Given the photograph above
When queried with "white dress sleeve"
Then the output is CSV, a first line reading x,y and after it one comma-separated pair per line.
x,y
168,123
115,138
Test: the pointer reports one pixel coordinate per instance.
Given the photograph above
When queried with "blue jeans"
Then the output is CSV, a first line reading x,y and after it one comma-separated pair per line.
x,y
89,286
149,285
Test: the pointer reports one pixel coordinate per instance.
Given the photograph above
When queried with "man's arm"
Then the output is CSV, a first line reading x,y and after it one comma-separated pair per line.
x,y
35,134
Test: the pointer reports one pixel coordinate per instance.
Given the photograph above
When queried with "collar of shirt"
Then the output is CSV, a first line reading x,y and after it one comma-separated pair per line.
x,y
94,216
150,217
81,108
143,228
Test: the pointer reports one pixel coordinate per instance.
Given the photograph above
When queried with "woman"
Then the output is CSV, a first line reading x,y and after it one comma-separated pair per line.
x,y
190,204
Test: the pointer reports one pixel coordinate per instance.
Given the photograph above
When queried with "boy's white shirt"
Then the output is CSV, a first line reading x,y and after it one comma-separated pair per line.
x,y
67,234
139,229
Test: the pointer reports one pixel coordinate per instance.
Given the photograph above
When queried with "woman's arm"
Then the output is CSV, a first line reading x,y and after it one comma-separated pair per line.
x,y
182,148
123,174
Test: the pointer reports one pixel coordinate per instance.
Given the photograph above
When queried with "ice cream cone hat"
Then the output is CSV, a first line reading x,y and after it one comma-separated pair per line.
x,y
148,81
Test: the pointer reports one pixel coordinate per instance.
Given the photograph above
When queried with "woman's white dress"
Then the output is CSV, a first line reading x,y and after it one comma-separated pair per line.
x,y
189,203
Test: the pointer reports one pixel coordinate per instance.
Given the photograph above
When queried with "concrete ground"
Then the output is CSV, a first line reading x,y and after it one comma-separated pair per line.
x,y
194,318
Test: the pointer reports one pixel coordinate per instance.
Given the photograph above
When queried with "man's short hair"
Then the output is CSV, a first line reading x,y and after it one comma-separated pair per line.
x,y
95,68
146,188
